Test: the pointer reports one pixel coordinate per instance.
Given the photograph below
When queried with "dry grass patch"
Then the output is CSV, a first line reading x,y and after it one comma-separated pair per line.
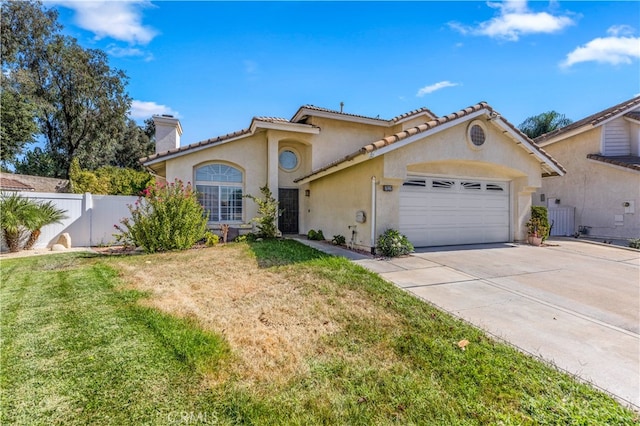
x,y
274,319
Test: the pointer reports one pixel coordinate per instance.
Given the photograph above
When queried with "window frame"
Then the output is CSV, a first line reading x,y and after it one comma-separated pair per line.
x,y
223,192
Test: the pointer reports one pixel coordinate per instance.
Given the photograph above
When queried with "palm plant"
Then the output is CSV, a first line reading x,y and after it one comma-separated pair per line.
x,y
15,212
45,214
543,123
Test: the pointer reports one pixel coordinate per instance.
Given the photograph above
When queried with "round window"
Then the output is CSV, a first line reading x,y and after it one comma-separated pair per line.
x,y
476,134
288,160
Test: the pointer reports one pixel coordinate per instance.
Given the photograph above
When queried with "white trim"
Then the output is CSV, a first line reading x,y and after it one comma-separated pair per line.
x,y
339,116
543,159
281,125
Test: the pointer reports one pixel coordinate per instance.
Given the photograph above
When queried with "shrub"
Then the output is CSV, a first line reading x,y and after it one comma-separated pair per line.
x,y
108,180
165,217
634,243
391,244
339,240
315,235
268,213
540,221
211,239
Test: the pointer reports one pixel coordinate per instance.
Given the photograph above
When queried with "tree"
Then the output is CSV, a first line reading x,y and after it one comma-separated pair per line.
x,y
85,105
37,163
17,127
135,144
25,30
543,123
80,101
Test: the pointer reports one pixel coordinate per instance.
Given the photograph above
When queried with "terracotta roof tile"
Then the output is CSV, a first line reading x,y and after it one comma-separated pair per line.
x,y
412,113
629,161
634,115
389,140
593,119
211,141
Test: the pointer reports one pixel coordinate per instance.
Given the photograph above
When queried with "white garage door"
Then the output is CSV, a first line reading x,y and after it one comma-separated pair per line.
x,y
437,211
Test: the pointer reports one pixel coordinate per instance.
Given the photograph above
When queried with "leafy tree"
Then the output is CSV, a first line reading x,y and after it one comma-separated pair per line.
x,y
80,101
543,123
17,127
135,144
37,162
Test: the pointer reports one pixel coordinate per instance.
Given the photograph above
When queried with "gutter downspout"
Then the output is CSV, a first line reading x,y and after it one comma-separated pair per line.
x,y
373,215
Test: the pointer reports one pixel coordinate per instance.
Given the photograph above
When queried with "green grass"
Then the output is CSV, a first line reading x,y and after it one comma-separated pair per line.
x,y
77,348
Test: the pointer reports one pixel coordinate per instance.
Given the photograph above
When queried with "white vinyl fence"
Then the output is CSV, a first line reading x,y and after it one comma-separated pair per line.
x,y
91,218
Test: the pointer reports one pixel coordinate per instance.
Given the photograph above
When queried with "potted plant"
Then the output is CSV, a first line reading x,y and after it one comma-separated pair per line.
x,y
537,231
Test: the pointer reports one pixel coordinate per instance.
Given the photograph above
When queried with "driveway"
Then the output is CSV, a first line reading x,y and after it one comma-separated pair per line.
x,y
574,304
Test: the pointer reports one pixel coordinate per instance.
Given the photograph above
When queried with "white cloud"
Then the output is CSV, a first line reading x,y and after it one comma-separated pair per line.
x,y
141,110
515,20
121,52
120,20
613,50
437,86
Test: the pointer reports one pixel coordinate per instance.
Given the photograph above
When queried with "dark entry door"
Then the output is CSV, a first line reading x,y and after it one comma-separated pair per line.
x,y
288,220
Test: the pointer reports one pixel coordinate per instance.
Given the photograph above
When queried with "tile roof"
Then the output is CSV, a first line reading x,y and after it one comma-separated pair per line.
x,y
276,120
397,137
14,185
412,113
629,161
634,115
316,108
211,141
593,119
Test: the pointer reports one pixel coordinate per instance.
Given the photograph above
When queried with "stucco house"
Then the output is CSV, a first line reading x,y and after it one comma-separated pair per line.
x,y
601,191
464,178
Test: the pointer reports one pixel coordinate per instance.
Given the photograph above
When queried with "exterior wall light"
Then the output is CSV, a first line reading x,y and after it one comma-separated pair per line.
x,y
387,188
307,192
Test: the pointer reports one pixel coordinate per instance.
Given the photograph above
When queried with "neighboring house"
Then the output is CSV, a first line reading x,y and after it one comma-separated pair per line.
x,y
601,191
15,182
463,178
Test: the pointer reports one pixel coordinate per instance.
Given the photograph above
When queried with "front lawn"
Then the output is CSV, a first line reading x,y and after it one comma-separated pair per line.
x,y
270,332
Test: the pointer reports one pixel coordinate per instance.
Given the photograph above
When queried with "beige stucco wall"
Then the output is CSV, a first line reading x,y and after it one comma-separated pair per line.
x,y
596,190
335,200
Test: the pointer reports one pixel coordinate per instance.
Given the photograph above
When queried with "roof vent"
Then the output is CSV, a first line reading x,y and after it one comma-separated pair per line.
x,y
167,115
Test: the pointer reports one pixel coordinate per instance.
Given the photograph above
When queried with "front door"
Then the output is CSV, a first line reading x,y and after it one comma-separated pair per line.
x,y
288,204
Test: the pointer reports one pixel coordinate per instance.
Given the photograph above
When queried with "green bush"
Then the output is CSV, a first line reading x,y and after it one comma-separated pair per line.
x,y
108,180
339,240
634,243
315,235
211,239
540,219
165,217
391,244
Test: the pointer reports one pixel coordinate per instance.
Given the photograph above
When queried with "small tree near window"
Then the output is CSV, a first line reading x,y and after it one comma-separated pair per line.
x,y
268,213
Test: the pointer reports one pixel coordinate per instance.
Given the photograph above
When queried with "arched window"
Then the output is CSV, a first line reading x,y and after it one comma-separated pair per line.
x,y
220,192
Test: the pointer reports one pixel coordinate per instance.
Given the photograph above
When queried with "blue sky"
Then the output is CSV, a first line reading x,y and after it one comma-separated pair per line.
x,y
215,65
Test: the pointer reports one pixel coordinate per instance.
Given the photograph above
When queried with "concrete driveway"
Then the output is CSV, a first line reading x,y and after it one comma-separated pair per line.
x,y
574,304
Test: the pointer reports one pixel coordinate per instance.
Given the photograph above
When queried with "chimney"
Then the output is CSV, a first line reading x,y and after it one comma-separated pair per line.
x,y
168,132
